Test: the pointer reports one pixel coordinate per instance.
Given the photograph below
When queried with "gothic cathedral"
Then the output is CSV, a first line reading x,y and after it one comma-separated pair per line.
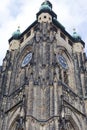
x,y
43,78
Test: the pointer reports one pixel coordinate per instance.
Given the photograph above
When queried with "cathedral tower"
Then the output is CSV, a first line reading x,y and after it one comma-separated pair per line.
x,y
43,79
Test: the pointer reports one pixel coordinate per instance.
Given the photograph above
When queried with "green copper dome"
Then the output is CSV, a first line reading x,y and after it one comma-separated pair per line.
x,y
75,35
46,5
16,34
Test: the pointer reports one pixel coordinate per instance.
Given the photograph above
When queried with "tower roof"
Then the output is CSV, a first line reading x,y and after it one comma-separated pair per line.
x,y
76,36
17,33
46,5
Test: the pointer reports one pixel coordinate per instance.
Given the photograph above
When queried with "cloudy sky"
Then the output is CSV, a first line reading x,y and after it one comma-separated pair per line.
x,y
14,13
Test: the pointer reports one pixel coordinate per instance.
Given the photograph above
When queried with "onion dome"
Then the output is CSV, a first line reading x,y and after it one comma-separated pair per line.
x,y
17,33
76,36
46,5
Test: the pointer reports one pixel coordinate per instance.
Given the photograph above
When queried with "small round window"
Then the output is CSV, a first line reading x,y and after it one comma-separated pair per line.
x,y
26,59
45,17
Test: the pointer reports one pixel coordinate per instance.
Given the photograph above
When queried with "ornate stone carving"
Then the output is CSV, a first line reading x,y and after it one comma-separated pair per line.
x,y
20,124
45,32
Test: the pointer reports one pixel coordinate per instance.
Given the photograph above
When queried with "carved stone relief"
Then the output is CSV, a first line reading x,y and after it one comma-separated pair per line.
x,y
45,32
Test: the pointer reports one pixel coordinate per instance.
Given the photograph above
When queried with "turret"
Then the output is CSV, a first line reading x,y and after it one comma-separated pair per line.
x,y
16,34
78,45
45,13
14,42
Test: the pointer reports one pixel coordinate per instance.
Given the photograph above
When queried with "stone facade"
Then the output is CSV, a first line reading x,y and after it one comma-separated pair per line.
x,y
43,79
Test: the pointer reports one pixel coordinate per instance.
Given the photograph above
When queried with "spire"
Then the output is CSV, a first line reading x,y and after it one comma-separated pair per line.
x,y
45,0
18,28
75,35
46,5
17,33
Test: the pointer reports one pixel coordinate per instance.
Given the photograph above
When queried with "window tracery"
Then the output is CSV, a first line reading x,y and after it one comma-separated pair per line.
x,y
18,124
69,126
65,75
65,66
66,125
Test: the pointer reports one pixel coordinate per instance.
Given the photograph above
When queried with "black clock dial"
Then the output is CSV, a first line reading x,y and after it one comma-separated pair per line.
x,y
27,59
61,60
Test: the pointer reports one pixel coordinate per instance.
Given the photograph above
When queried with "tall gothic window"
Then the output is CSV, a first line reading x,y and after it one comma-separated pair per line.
x,y
66,126
63,67
69,126
65,76
60,74
18,124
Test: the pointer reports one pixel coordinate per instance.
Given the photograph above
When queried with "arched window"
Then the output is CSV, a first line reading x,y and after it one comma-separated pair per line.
x,y
65,77
65,67
69,126
66,125
60,74
18,124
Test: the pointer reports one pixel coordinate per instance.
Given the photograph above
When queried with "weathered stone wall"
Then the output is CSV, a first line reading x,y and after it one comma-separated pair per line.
x,y
43,95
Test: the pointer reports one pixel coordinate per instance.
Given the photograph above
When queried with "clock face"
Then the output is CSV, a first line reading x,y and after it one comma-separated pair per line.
x,y
26,59
62,61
